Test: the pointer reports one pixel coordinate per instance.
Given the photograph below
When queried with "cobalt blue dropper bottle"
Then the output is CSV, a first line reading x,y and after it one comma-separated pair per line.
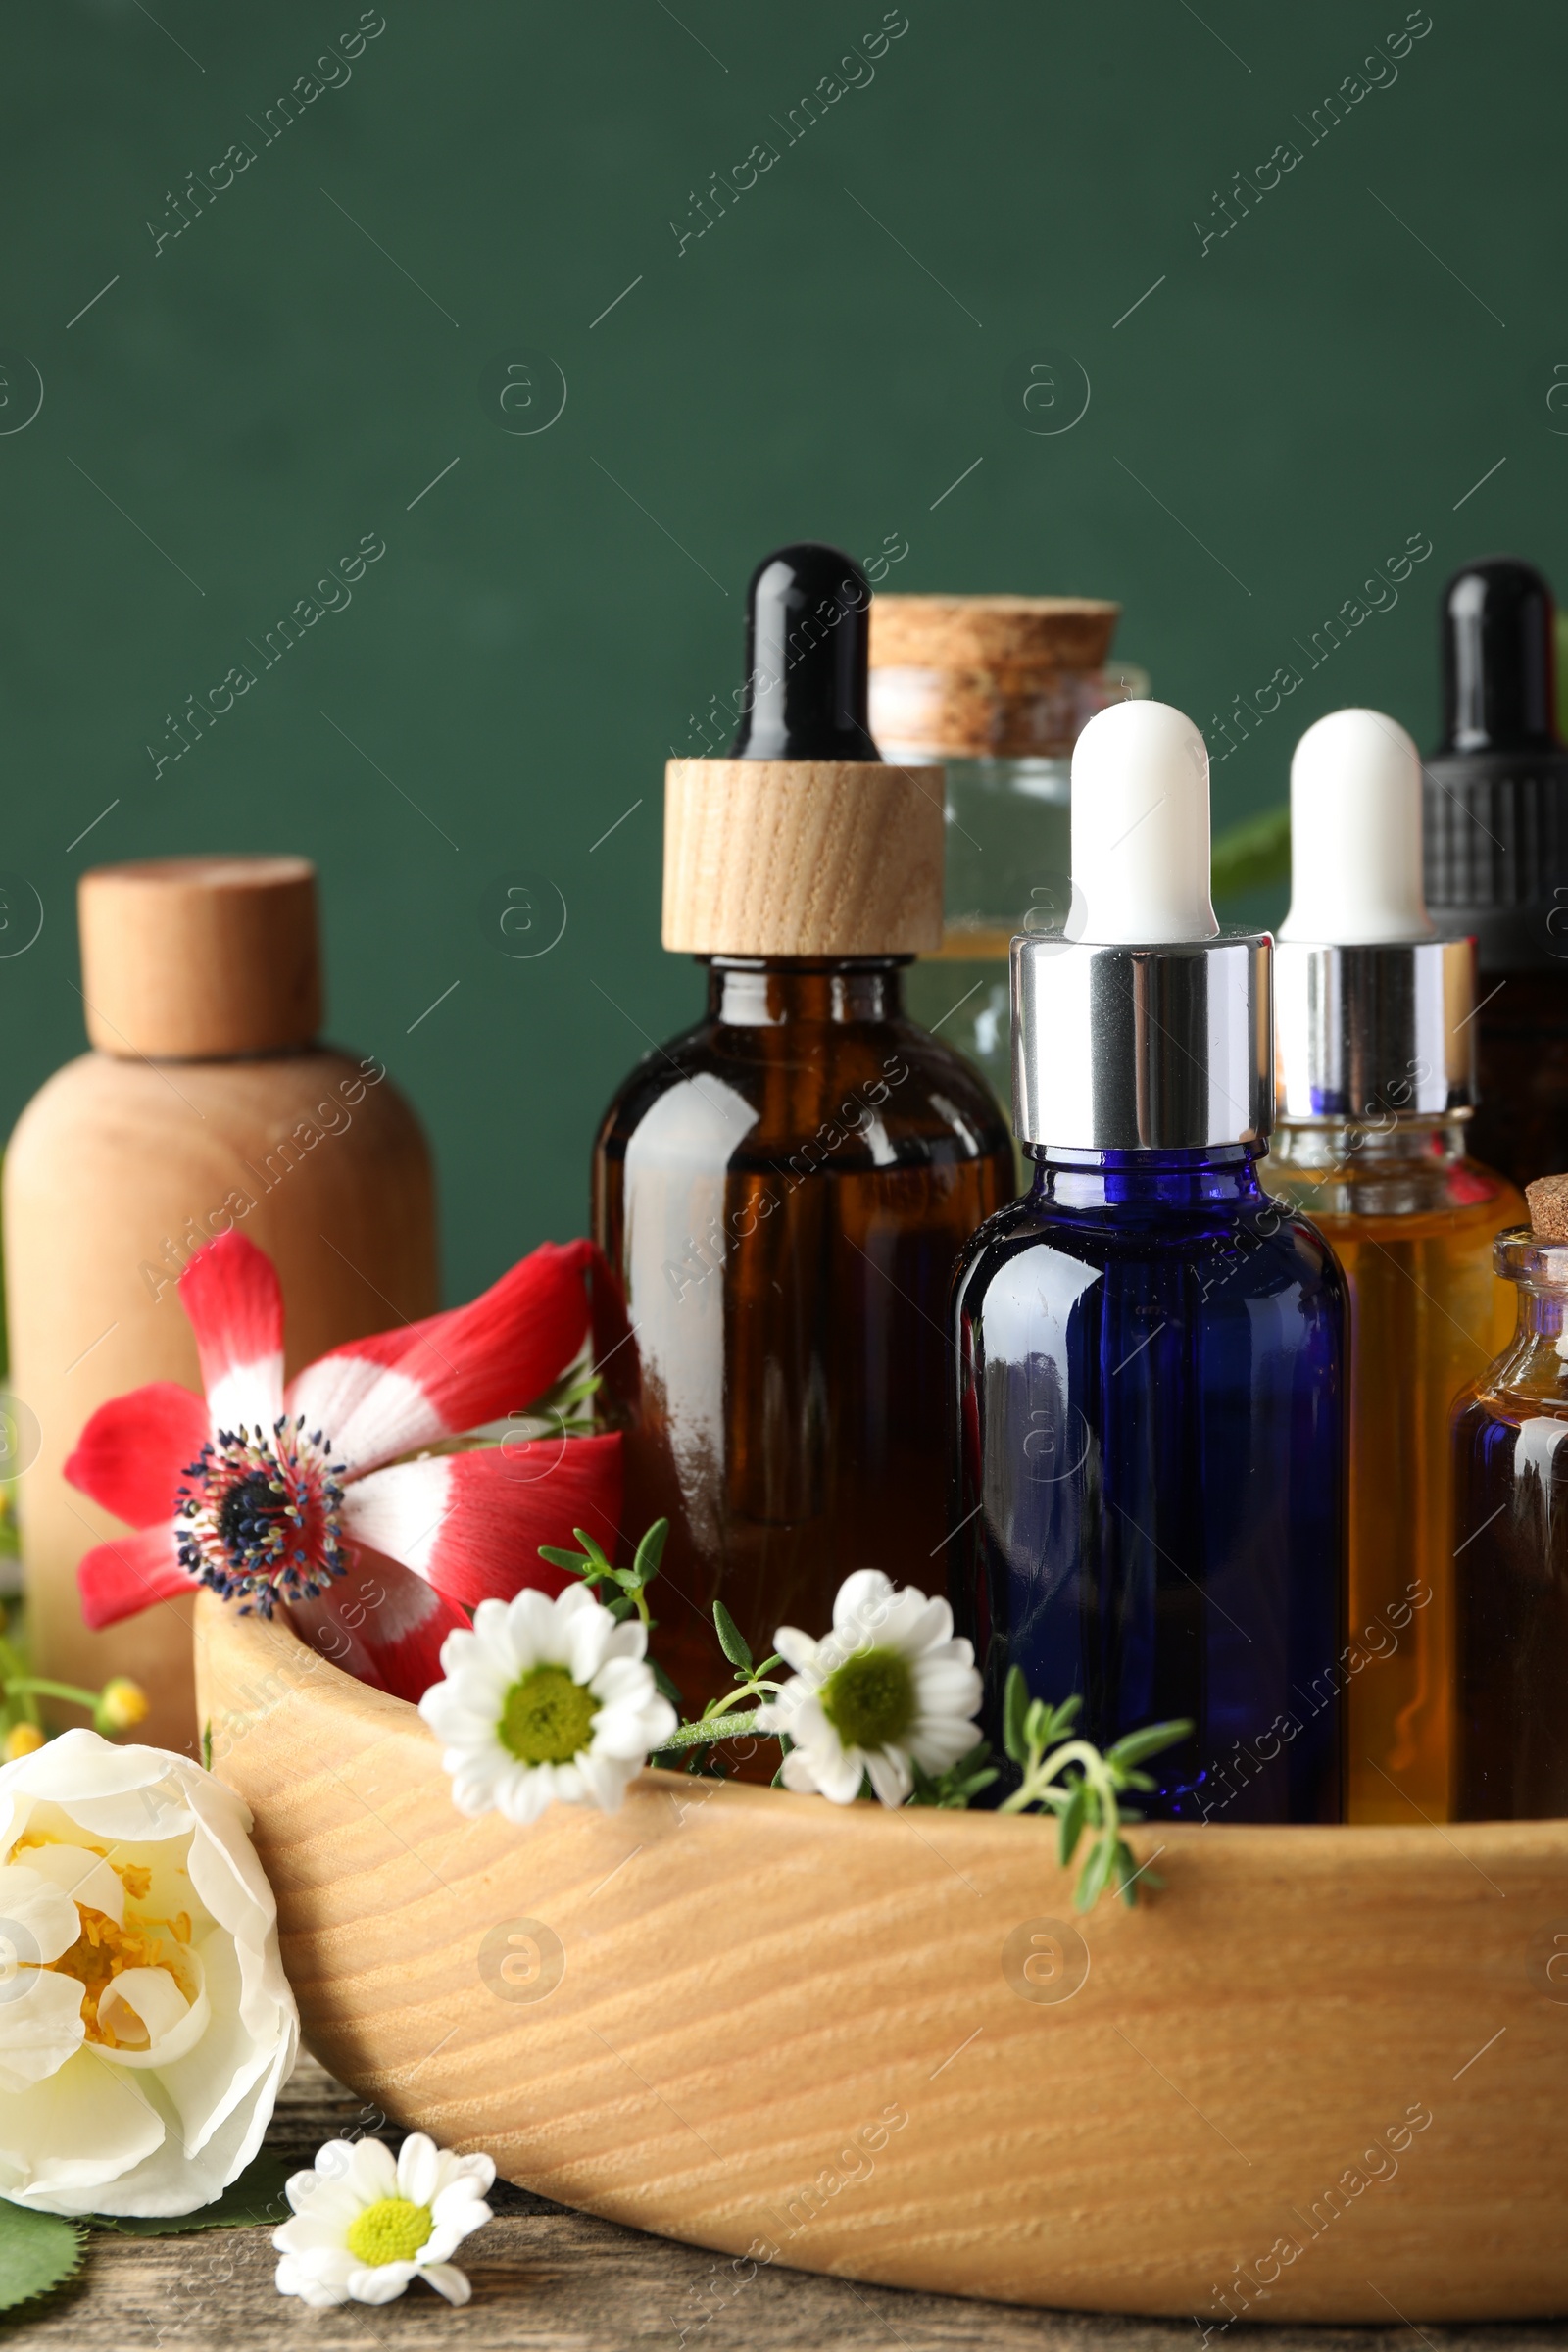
x,y
1150,1494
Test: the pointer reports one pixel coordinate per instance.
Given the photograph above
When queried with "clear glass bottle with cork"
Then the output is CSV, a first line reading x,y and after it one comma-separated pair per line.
x,y
204,1104
1510,1540
783,1189
1375,1050
995,689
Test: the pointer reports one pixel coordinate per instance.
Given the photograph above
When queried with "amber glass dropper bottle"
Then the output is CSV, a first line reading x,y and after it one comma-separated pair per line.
x,y
783,1191
1375,1027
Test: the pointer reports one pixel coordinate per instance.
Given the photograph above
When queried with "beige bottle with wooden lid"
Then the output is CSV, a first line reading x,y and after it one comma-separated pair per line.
x,y
206,1103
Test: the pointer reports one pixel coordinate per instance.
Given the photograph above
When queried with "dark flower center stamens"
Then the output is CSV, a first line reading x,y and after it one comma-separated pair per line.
x,y
249,1515
262,1516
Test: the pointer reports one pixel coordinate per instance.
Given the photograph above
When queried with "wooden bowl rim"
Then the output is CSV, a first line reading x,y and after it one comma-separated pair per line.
x,y
1327,1846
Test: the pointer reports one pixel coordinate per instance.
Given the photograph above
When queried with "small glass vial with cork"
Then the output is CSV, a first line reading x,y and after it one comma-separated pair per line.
x,y
997,688
1511,1541
782,1191
1375,1020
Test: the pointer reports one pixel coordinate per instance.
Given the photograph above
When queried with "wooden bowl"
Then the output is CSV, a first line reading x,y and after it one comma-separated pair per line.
x,y
1321,2074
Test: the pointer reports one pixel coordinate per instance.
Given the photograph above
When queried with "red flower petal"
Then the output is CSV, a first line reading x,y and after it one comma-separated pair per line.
x,y
382,1624
231,1294
132,1450
378,1398
116,1579
473,1523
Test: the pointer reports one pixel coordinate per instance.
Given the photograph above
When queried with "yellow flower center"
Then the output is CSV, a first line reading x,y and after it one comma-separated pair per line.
x,y
105,1947
547,1715
869,1701
392,2230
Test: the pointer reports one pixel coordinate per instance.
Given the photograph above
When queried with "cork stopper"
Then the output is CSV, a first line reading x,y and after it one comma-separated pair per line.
x,y
200,958
977,677
1548,1208
991,632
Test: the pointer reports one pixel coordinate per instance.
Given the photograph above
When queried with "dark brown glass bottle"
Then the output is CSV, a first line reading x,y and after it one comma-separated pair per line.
x,y
783,1191
1497,853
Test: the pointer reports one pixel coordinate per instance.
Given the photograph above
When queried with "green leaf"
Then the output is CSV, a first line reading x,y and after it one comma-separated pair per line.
x,y
731,1640
1015,1714
1096,1873
255,2197
573,1561
1072,1822
600,1559
1128,1873
207,1747
1136,1745
36,2251
650,1551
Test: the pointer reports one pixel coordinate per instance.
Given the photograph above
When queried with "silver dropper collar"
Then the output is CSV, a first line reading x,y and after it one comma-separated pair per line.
x,y
1366,1031
1142,1049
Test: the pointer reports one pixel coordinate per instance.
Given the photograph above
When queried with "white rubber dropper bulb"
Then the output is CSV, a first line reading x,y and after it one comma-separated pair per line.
x,y
1355,834
1139,829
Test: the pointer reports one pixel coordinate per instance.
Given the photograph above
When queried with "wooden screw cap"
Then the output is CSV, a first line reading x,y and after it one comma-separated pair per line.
x,y
200,958
1548,1208
991,632
802,858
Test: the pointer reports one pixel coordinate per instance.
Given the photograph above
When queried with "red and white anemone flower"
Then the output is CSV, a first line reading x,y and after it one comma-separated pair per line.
x,y
343,1496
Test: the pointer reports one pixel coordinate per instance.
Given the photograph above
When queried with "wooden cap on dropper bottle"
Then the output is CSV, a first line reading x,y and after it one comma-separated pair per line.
x,y
200,958
803,841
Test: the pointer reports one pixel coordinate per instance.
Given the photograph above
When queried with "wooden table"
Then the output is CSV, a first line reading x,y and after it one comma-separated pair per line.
x,y
546,2279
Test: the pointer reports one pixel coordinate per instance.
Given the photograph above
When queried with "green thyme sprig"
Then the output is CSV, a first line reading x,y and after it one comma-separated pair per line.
x,y
569,1405
956,1789
735,1716
1080,1785
1061,1775
628,1587
595,1567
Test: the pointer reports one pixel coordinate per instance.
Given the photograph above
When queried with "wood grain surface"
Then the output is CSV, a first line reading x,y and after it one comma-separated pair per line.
x,y
549,2280
836,2039
802,858
199,959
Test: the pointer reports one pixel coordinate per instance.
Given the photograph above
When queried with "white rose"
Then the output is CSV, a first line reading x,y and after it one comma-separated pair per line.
x,y
145,2022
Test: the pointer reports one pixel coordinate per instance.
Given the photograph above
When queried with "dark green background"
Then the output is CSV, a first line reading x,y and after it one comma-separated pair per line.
x,y
268,388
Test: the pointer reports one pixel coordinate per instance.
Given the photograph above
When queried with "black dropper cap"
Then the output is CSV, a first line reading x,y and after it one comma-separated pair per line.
x,y
1498,656
808,638
1496,791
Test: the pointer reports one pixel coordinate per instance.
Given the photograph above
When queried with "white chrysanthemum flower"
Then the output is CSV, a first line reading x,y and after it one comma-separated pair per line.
x,y
544,1699
366,2222
888,1684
